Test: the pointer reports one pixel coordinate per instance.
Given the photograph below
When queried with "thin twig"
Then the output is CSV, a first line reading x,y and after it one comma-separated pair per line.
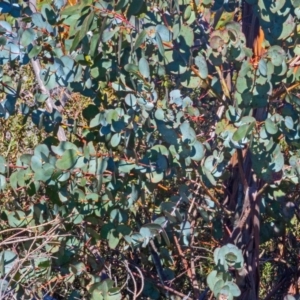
x,y
184,261
30,252
211,196
142,279
33,238
223,83
195,283
30,228
125,263
262,189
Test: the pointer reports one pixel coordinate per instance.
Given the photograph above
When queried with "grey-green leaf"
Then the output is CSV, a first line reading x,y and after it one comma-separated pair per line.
x,y
200,62
164,33
160,44
271,128
198,151
28,37
115,140
130,100
140,40
68,160
2,183
144,67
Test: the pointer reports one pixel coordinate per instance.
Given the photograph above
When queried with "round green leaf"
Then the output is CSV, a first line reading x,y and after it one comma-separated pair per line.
x,y
130,100
97,120
164,33
212,279
277,55
242,132
112,115
287,27
159,114
113,239
270,126
187,103
197,151
42,151
8,260
146,232
36,163
60,149
187,34
100,290
68,160
175,97
44,173
230,258
188,133
155,177
289,123
28,36
234,289
18,218
115,140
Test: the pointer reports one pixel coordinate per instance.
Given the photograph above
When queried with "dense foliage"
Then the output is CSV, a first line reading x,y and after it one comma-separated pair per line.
x,y
150,149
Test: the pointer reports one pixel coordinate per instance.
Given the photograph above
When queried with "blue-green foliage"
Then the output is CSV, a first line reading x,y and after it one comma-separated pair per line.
x,y
130,47
220,281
